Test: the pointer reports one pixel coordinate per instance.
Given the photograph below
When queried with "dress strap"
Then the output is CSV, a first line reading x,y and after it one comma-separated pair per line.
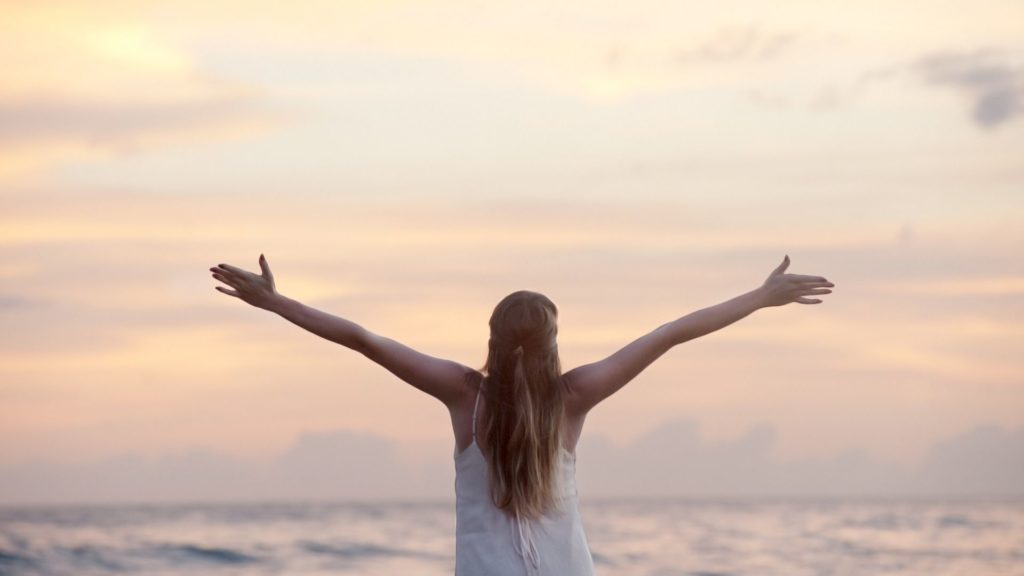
x,y
475,406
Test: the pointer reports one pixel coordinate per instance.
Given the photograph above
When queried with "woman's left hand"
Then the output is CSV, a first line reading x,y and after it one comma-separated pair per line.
x,y
256,289
781,288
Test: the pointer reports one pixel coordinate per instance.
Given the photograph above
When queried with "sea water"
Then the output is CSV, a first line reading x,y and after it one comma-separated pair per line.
x,y
628,538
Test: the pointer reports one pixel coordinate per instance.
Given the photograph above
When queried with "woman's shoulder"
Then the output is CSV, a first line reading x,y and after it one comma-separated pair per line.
x,y
472,383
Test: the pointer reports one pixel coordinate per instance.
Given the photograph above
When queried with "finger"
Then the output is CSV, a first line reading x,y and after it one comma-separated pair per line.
x,y
233,269
815,284
265,268
808,300
806,278
228,292
224,274
817,291
222,278
782,267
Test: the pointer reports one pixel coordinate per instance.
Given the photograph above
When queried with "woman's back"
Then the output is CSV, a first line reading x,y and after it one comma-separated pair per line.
x,y
491,542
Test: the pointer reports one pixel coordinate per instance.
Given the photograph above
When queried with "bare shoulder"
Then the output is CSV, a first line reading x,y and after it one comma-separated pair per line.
x,y
576,409
574,398
466,391
586,386
461,408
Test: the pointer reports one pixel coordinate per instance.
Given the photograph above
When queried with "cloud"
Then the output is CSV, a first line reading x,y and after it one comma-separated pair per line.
x,y
671,460
19,302
970,286
86,83
994,85
986,459
111,124
331,465
733,44
43,132
988,78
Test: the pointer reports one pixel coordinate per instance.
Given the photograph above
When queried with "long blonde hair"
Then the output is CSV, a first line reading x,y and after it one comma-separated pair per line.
x,y
526,404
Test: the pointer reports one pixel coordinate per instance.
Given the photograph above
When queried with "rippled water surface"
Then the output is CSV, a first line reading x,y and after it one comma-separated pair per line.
x,y
628,538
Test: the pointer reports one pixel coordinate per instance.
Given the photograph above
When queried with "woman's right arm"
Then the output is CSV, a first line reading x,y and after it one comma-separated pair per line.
x,y
591,383
440,378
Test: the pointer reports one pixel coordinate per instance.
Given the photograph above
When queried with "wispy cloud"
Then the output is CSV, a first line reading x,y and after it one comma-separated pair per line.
x,y
983,286
7,301
119,125
734,44
991,79
83,84
43,133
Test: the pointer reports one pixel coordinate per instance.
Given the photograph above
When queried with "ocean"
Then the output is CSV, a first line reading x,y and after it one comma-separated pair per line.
x,y
841,537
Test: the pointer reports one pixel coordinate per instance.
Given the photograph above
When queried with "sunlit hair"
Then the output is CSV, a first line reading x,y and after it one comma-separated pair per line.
x,y
526,405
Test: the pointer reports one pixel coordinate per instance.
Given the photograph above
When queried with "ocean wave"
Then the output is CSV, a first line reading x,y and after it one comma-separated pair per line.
x,y
95,557
887,522
969,522
621,559
194,552
10,559
357,551
676,572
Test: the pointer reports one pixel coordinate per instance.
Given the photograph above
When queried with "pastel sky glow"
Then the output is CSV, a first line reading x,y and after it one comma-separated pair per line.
x,y
407,164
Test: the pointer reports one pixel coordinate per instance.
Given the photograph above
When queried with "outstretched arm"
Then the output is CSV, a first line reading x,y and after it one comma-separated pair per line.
x,y
442,379
592,383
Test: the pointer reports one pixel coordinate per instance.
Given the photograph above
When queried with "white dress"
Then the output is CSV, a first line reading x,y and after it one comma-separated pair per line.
x,y
489,542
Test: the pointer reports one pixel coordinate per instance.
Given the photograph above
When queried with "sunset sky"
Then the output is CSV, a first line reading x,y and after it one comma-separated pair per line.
x,y
407,164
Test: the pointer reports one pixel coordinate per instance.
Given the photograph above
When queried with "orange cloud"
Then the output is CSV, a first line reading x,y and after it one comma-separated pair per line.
x,y
81,84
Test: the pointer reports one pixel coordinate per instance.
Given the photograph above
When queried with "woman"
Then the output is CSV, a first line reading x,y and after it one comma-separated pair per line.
x,y
517,421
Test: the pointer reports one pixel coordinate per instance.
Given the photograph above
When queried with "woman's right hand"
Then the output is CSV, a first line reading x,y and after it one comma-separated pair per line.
x,y
781,288
255,289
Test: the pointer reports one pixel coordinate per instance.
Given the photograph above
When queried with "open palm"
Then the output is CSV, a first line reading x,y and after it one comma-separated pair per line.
x,y
256,289
781,288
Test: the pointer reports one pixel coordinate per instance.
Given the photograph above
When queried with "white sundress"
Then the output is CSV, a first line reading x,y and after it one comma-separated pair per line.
x,y
489,542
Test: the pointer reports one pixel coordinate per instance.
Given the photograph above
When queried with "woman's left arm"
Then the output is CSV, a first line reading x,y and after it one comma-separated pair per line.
x,y
592,383
442,379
